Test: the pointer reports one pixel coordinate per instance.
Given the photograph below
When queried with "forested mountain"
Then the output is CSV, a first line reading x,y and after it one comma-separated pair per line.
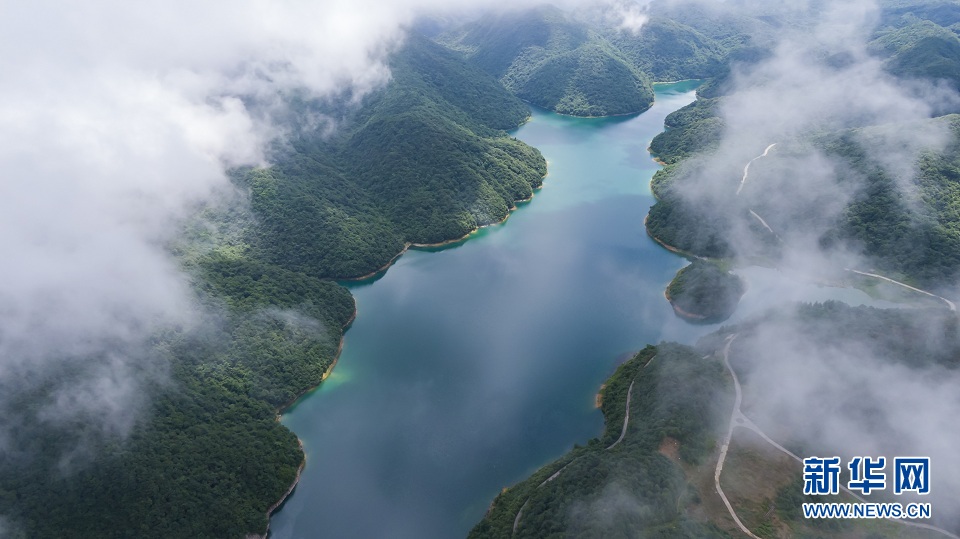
x,y
422,160
551,60
695,40
911,235
655,477
704,292
427,159
584,65
916,237
900,217
635,484
918,48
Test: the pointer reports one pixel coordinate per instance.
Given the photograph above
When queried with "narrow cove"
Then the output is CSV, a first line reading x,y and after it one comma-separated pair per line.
x,y
471,365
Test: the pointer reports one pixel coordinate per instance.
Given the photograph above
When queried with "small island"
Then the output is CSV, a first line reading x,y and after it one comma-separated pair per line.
x,y
705,293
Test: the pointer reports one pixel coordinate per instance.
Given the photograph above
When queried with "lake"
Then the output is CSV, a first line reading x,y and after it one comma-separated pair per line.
x,y
472,365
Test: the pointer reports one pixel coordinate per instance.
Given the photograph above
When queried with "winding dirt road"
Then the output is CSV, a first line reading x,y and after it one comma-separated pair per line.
x,y
735,415
737,419
623,432
765,225
626,417
949,303
743,181
746,169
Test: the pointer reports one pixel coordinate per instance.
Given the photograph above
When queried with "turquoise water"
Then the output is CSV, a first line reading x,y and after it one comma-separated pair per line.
x,y
468,367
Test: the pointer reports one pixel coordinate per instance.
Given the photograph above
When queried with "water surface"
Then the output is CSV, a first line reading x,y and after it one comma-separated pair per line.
x,y
469,367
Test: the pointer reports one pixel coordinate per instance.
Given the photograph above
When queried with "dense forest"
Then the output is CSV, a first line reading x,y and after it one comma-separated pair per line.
x,y
677,401
658,480
552,61
914,236
596,490
705,293
858,341
424,159
582,66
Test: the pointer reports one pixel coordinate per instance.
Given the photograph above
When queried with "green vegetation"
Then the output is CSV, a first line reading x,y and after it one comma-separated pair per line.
x,y
916,235
655,483
921,49
424,159
907,225
688,227
700,40
211,457
696,127
634,488
554,62
921,341
913,338
586,66
703,292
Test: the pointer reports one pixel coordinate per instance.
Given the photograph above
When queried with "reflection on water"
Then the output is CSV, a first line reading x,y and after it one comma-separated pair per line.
x,y
470,366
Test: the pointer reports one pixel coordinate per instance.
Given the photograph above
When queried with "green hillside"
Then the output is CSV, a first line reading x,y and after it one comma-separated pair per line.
x,y
915,236
424,159
552,61
921,49
632,488
705,293
658,481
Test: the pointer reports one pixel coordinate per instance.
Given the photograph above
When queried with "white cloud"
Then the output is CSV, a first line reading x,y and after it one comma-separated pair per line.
x,y
117,117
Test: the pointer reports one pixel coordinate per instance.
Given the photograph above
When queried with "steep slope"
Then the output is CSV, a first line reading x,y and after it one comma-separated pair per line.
x,y
424,159
916,237
921,49
553,61
624,484
651,473
695,40
901,218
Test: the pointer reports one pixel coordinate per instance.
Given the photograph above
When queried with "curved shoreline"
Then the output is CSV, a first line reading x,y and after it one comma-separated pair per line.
x,y
686,315
279,503
618,115
671,248
303,460
336,358
412,245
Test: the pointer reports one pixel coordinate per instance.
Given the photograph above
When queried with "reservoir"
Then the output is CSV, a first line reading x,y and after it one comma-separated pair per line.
x,y
472,365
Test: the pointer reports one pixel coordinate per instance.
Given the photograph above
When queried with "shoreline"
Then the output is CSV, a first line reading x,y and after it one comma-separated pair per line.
x,y
598,400
303,460
652,103
326,373
675,250
280,502
604,116
594,117
674,81
413,245
686,315
336,358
